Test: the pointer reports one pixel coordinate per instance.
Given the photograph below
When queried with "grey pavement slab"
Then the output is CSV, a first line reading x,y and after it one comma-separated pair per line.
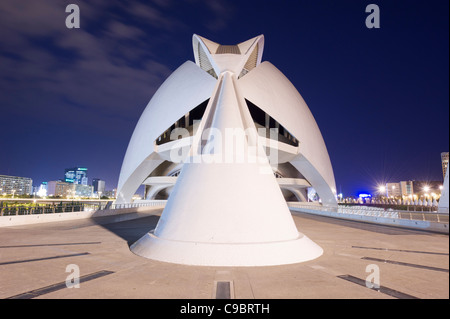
x,y
35,258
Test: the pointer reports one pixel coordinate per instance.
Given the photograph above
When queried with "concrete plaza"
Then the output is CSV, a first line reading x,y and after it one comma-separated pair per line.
x,y
34,260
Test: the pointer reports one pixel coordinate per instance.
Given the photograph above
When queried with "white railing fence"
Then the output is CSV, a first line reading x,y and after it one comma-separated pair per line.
x,y
373,212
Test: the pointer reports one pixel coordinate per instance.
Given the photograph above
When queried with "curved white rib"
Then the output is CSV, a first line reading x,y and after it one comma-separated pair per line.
x,y
187,87
269,89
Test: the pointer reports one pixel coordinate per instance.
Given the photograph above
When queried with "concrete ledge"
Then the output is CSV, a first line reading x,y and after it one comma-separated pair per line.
x,y
121,214
405,223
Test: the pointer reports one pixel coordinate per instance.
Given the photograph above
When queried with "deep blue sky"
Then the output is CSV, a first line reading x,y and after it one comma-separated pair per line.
x,y
72,97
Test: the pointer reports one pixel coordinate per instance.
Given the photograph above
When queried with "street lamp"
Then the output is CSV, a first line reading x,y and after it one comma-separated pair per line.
x,y
382,189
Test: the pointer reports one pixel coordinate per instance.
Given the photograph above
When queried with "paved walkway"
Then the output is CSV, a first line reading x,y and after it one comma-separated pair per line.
x,y
34,260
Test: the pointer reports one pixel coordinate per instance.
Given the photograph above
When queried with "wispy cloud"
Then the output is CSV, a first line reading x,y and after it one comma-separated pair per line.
x,y
109,68
221,11
153,16
102,72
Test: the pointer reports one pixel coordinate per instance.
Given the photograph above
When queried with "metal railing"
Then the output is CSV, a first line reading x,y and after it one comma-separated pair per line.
x,y
153,203
70,207
376,212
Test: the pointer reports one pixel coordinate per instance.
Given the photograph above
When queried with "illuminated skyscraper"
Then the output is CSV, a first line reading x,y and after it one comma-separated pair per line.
x,y
14,185
76,175
99,186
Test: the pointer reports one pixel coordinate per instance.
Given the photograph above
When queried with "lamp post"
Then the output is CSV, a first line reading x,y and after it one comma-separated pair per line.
x,y
426,189
434,202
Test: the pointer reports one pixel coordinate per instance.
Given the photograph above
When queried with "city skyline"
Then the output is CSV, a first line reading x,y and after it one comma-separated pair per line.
x,y
380,96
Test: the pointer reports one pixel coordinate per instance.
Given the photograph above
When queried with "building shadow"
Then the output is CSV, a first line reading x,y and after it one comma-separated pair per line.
x,y
129,230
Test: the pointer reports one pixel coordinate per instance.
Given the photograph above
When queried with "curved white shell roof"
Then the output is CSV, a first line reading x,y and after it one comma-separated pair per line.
x,y
268,88
262,84
227,213
186,87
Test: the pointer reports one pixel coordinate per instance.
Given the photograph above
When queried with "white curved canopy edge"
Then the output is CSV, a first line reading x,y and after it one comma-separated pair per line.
x,y
192,86
268,88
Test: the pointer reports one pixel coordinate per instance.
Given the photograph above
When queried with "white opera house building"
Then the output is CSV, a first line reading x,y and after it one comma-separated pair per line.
x,y
227,140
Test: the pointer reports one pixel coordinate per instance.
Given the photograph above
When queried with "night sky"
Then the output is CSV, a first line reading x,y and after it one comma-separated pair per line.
x,y
72,97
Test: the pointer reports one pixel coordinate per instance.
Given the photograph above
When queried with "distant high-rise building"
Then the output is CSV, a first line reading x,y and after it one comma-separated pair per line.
x,y
83,190
411,188
111,193
406,188
14,185
444,160
69,190
76,175
99,186
60,188
393,189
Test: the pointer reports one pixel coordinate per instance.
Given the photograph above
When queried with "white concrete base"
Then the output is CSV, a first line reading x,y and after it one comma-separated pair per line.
x,y
216,254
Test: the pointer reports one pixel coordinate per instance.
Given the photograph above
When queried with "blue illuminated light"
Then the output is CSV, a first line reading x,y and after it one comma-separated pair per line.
x,y
364,195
